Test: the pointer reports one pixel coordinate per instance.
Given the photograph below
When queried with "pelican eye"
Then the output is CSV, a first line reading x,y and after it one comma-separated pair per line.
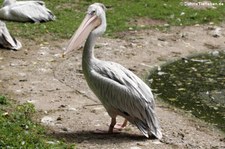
x,y
93,12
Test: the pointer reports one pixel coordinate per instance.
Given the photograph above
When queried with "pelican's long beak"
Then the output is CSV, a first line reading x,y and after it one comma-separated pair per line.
x,y
89,23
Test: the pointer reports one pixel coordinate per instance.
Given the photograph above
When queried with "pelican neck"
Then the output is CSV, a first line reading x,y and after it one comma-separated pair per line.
x,y
88,53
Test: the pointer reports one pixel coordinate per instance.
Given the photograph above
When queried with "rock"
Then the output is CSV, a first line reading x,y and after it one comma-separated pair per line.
x,y
64,129
47,120
214,31
62,106
215,53
135,147
217,32
59,118
162,39
72,109
157,142
52,142
31,101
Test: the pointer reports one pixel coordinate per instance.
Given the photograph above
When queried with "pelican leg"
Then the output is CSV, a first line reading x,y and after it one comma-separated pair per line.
x,y
111,126
121,126
124,123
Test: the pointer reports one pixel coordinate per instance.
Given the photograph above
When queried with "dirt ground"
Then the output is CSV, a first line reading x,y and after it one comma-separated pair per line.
x,y
56,86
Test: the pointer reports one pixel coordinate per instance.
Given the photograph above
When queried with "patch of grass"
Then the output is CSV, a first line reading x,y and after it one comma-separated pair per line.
x,y
70,13
19,131
3,100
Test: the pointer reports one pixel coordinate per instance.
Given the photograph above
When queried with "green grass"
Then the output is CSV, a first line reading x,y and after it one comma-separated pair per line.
x,y
17,130
70,14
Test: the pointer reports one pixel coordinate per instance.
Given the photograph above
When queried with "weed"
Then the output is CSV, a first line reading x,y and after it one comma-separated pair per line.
x,y
3,100
19,131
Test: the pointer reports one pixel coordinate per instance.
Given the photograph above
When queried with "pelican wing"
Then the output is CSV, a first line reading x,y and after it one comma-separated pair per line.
x,y
119,74
7,3
6,40
124,91
31,10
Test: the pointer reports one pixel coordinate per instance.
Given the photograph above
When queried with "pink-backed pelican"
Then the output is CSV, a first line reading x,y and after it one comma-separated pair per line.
x,y
25,11
6,40
120,91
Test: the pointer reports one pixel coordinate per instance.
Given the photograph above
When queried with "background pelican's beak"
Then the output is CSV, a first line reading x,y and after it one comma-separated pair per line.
x,y
89,23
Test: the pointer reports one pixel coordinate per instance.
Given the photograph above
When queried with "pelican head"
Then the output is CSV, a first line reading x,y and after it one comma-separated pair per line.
x,y
8,2
98,9
94,23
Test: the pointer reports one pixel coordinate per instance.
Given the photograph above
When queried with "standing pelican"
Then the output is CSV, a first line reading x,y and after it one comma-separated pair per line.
x,y
6,40
120,91
25,11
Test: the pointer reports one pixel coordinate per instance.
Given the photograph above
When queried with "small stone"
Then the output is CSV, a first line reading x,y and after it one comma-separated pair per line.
x,y
157,142
64,129
59,118
166,25
47,120
5,114
72,109
135,147
215,53
30,101
217,32
62,106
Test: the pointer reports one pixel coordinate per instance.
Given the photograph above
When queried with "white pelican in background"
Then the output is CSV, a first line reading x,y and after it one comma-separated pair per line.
x,y
25,11
120,91
6,40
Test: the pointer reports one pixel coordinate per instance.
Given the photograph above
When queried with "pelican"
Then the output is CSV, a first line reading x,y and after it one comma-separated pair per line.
x,y
6,40
25,11
120,91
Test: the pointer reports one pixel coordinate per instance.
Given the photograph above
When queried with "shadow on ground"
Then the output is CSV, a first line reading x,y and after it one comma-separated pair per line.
x,y
97,138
